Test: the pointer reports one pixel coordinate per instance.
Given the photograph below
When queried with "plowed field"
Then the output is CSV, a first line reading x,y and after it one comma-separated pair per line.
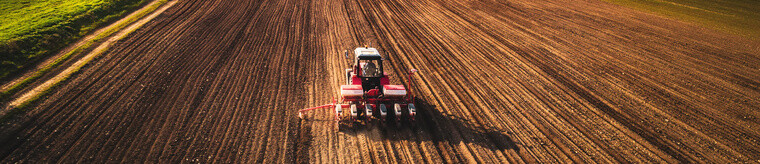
x,y
499,81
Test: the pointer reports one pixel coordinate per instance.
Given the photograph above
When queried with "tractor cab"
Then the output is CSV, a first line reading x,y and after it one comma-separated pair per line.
x,y
369,61
368,71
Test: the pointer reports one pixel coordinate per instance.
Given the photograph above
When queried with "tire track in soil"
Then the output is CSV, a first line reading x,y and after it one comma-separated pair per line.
x,y
499,81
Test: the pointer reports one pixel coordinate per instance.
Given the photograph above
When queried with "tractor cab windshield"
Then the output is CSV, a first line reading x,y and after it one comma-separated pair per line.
x,y
372,68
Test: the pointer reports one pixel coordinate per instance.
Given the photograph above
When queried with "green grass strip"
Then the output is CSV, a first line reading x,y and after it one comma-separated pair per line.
x,y
26,104
33,29
740,17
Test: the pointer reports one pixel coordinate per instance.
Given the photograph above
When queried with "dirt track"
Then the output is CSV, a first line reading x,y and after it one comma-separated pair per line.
x,y
530,81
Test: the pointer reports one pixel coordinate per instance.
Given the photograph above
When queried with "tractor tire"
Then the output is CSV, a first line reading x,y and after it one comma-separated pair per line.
x,y
348,76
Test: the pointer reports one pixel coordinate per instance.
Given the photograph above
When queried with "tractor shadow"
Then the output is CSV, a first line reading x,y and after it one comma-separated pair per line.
x,y
433,126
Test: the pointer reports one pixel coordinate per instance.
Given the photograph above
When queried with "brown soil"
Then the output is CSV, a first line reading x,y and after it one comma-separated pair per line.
x,y
499,81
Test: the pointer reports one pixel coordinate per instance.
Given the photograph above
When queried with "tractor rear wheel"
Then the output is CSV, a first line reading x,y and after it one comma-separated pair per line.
x,y
348,76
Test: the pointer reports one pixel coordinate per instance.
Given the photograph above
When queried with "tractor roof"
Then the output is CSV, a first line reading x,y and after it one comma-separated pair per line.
x,y
365,53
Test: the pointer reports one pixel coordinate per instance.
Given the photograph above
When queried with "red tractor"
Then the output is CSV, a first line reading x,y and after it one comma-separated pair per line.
x,y
368,93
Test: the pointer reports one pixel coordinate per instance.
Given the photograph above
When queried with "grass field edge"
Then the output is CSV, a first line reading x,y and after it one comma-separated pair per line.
x,y
12,111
